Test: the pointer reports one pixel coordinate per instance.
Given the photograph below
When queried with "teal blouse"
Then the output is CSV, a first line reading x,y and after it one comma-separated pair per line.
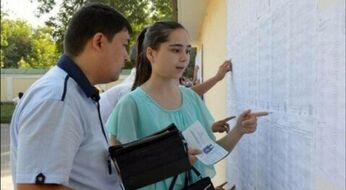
x,y
138,115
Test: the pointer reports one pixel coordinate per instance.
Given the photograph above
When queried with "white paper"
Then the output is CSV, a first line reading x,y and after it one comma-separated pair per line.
x,y
289,59
197,138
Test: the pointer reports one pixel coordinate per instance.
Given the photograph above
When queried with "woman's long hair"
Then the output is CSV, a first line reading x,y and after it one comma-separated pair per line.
x,y
152,37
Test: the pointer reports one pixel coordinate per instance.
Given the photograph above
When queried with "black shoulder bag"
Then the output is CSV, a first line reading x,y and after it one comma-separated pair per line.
x,y
151,159
202,184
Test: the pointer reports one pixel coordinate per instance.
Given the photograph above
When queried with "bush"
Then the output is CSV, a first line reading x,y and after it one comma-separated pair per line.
x,y
6,111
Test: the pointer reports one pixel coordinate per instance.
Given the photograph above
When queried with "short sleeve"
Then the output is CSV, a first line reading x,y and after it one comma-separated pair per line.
x,y
48,140
123,120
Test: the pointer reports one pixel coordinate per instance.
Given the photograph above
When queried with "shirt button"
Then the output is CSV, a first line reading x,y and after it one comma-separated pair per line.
x,y
40,178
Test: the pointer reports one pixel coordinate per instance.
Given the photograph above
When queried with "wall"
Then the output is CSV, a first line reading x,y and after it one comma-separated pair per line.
x,y
289,58
11,84
213,44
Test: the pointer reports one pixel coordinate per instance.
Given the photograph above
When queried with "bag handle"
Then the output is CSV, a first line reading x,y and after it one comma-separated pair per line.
x,y
171,186
172,183
196,172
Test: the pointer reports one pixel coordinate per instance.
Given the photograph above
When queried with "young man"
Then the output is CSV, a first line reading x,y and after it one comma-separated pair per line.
x,y
57,136
110,98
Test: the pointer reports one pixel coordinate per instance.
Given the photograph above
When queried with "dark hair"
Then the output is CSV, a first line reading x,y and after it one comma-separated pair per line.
x,y
89,20
152,37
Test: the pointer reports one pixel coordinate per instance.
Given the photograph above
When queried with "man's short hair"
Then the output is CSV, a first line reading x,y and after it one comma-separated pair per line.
x,y
89,20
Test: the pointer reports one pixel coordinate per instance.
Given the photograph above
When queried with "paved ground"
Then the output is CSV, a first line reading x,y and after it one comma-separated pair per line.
x,y
6,179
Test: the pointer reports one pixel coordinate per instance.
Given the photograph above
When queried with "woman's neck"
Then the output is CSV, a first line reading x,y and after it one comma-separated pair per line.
x,y
160,86
165,92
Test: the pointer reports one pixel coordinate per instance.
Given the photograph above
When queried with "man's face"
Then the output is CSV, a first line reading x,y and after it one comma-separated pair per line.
x,y
115,56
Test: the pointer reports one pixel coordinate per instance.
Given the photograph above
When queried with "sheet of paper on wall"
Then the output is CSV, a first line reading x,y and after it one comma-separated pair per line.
x,y
197,138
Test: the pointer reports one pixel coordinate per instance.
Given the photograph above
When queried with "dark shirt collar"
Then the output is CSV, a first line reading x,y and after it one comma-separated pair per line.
x,y
72,69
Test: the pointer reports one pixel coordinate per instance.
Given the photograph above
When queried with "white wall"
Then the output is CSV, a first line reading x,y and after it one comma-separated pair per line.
x,y
213,45
289,58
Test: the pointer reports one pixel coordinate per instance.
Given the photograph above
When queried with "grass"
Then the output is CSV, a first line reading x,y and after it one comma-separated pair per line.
x,y
6,111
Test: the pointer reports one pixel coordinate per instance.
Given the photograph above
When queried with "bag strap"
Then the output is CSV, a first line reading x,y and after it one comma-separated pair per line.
x,y
187,176
172,183
196,172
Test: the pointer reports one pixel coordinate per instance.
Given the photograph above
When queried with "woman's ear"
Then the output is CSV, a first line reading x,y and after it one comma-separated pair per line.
x,y
150,53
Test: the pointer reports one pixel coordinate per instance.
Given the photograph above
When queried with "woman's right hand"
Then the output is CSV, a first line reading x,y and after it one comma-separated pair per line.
x,y
192,155
222,125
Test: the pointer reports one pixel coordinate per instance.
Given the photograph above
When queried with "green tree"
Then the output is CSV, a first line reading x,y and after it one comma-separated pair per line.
x,y
3,38
140,13
44,51
25,47
15,42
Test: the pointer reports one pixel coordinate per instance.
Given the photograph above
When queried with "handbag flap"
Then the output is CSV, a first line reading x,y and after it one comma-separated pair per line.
x,y
126,147
202,184
151,159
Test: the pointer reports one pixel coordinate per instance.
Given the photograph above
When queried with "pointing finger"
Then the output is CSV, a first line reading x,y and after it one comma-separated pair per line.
x,y
260,114
222,184
229,118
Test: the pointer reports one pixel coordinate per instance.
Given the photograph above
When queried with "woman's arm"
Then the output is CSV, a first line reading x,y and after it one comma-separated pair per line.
x,y
246,123
204,87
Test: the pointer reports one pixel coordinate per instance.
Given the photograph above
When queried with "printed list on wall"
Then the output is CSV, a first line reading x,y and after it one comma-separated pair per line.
x,y
288,58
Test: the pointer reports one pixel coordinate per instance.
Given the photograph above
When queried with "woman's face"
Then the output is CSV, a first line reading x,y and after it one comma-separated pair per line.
x,y
172,57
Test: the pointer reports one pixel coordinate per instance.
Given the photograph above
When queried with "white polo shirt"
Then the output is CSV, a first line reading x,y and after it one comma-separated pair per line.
x,y
56,133
111,97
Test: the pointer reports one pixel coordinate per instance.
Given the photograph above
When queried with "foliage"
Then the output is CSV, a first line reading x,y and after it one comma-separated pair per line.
x,y
44,52
3,39
6,111
16,42
25,47
140,13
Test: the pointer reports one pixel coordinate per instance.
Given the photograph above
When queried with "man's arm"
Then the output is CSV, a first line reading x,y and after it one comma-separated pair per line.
x,y
204,87
39,140
41,187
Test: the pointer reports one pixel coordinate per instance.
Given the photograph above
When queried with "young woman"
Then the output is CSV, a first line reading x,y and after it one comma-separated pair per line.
x,y
157,100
